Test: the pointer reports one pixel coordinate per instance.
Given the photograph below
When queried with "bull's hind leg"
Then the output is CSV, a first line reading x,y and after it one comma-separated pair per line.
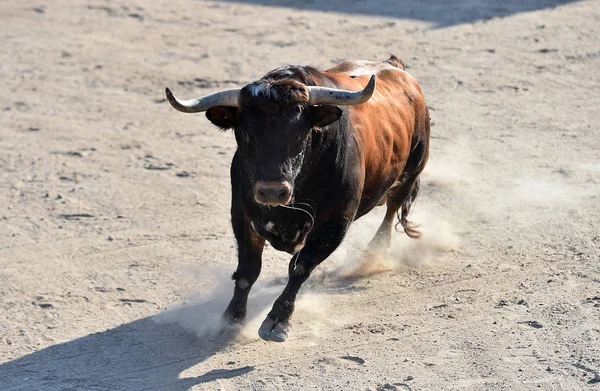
x,y
382,239
400,198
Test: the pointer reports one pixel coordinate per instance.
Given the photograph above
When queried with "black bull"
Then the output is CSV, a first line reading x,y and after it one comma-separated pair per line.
x,y
310,161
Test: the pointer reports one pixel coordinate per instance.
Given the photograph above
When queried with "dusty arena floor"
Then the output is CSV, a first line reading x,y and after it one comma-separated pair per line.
x,y
115,243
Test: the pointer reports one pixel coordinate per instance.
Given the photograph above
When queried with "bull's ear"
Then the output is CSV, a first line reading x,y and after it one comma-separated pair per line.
x,y
320,116
222,116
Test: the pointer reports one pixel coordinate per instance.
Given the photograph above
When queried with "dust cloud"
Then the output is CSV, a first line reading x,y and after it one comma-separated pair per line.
x,y
351,260
201,313
451,170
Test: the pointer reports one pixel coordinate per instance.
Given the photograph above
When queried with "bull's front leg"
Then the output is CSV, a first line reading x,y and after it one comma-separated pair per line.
x,y
250,248
322,241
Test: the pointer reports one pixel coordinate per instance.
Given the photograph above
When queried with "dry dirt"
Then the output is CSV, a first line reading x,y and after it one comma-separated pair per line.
x,y
113,206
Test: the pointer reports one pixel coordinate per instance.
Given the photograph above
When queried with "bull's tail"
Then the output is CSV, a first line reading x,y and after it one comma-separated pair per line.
x,y
410,185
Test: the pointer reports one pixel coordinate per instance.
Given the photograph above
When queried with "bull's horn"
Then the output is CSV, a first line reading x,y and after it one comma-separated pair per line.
x,y
333,96
223,98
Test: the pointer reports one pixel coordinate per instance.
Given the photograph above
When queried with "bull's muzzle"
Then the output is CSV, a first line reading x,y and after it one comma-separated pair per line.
x,y
272,193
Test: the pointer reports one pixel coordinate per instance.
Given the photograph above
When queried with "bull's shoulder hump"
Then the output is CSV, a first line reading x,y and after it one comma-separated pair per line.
x,y
359,68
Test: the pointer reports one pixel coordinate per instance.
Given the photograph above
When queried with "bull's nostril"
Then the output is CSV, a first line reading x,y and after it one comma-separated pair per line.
x,y
283,194
262,194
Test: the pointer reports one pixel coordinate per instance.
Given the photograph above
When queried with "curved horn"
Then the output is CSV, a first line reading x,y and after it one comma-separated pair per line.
x,y
223,98
333,96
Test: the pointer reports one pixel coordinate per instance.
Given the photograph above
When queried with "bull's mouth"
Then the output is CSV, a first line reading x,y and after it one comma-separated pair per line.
x,y
287,203
274,205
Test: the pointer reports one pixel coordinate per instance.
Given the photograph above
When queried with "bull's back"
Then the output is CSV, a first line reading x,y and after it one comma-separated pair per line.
x,y
384,125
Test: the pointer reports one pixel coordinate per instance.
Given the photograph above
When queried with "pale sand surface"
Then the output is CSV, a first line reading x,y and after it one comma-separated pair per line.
x,y
99,233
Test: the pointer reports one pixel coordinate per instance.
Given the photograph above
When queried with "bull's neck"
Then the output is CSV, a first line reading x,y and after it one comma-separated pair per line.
x,y
324,157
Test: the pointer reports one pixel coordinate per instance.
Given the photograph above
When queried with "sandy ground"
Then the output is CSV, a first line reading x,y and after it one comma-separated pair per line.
x,y
114,206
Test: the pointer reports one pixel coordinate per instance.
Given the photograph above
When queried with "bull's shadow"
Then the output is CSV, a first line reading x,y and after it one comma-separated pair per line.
x,y
151,353
141,355
440,13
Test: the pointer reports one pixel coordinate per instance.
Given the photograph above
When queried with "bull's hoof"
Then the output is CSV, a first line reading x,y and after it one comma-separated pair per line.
x,y
228,330
232,329
276,331
233,321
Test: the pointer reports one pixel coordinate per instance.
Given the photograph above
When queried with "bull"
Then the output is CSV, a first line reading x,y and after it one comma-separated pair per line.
x,y
316,150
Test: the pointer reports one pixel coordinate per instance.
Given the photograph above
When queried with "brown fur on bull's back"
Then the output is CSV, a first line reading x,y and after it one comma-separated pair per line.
x,y
391,130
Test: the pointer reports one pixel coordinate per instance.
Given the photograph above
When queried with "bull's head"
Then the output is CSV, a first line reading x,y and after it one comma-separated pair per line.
x,y
272,120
